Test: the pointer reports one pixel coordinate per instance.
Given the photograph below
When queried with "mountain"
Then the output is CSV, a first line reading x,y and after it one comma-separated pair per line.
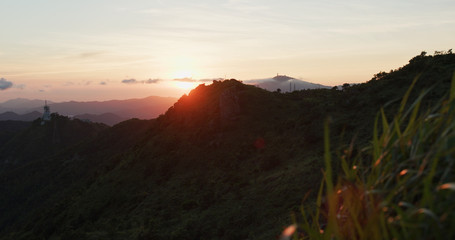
x,y
28,117
226,161
21,105
106,118
284,83
143,108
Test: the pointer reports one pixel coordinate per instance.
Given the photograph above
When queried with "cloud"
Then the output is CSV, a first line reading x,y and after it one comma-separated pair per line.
x,y
134,81
185,80
5,84
130,81
150,81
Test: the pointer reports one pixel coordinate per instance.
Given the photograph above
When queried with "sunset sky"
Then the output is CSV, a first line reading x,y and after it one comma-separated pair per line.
x,y
118,49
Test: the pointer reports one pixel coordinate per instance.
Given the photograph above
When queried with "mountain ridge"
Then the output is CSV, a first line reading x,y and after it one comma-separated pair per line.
x,y
109,119
128,108
109,112
27,117
284,83
223,156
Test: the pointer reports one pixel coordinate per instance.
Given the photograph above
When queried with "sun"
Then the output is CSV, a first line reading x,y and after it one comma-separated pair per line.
x,y
184,80
185,85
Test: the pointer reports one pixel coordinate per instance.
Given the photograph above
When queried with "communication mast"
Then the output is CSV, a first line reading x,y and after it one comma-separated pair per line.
x,y
46,114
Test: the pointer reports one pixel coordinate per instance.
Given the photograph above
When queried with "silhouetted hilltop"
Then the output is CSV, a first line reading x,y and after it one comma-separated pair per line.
x,y
106,118
218,105
27,117
42,141
282,78
226,161
283,83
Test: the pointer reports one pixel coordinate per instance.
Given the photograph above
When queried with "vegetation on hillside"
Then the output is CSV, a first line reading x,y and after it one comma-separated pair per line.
x,y
10,128
401,186
227,161
43,141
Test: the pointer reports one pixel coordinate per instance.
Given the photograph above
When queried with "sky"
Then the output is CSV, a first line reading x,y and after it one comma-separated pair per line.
x,y
117,49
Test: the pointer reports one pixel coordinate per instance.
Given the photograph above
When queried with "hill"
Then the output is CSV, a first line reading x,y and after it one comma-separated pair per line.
x,y
226,161
284,84
106,118
143,108
21,105
27,117
8,129
41,141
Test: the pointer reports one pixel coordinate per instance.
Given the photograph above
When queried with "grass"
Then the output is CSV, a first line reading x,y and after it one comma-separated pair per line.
x,y
402,186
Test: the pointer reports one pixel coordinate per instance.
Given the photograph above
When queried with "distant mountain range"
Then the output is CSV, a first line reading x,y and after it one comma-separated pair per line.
x,y
28,117
108,112
21,105
106,118
284,83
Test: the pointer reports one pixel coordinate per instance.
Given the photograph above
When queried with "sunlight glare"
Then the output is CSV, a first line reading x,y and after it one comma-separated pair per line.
x,y
184,80
185,85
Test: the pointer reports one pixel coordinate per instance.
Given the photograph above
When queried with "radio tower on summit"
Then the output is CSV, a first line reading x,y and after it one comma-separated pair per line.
x,y
46,114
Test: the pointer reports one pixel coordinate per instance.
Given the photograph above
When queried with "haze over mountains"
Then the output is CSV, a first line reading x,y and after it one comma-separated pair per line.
x,y
28,117
114,111
108,112
22,105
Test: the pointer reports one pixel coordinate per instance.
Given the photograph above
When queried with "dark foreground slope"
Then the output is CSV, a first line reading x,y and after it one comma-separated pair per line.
x,y
228,161
41,141
9,128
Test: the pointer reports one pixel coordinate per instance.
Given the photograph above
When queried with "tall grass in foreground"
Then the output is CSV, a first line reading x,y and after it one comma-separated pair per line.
x,y
401,187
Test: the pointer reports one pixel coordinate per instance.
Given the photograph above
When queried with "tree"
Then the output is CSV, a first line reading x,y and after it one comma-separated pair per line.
x,y
345,86
379,75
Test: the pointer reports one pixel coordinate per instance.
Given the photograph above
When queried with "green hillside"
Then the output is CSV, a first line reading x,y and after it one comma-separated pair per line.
x,y
228,161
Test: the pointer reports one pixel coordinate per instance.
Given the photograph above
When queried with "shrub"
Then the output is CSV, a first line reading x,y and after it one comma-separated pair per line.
x,y
403,189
